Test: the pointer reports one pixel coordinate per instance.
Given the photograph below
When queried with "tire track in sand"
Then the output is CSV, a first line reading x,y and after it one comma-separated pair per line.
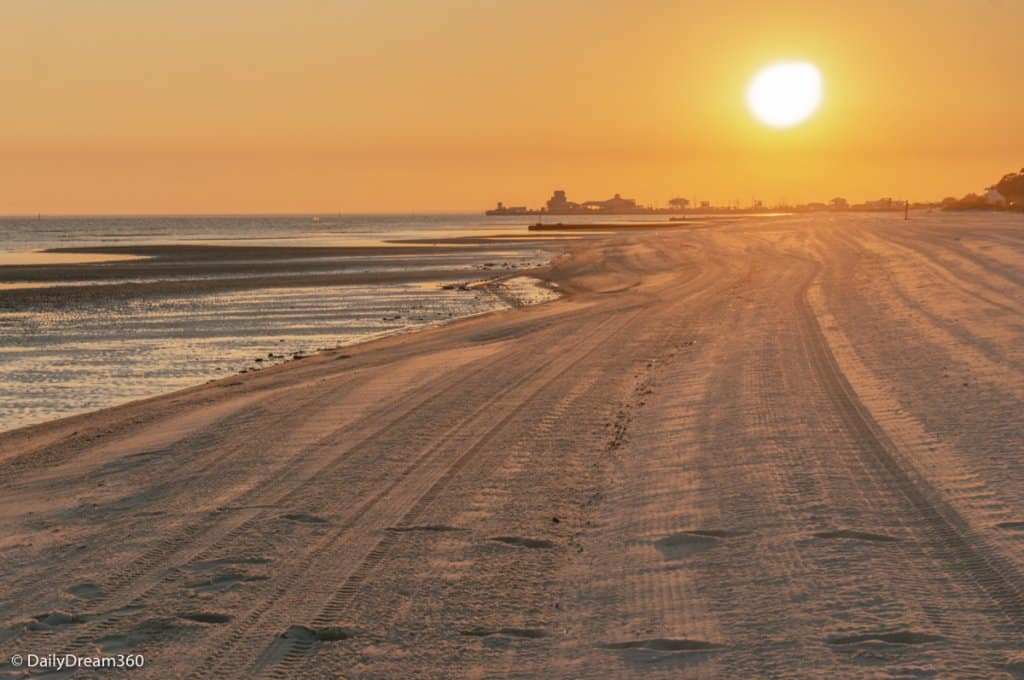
x,y
341,558
969,558
126,590
568,409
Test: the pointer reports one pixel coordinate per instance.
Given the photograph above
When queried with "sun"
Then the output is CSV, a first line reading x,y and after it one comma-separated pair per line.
x,y
785,93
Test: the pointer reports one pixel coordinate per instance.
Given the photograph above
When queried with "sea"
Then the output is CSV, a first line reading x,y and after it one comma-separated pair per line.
x,y
63,358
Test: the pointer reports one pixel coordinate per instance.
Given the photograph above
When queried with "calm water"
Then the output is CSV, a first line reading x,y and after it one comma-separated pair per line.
x,y
27,234
62,358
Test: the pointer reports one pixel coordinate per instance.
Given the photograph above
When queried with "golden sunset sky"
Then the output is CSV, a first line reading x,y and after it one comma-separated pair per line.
x,y
182,106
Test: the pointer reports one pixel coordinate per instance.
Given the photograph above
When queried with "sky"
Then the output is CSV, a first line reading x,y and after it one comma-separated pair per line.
x,y
232,106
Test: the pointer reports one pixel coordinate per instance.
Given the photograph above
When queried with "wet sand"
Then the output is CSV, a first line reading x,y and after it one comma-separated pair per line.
x,y
763,449
135,271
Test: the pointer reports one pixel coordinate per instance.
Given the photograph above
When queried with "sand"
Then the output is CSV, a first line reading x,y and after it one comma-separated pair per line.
x,y
772,448
134,272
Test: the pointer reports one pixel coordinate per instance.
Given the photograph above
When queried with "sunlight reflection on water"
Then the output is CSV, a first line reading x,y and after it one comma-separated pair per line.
x,y
69,361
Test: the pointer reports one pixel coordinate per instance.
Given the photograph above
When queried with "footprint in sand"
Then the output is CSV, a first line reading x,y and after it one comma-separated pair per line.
x,y
145,632
321,634
209,565
504,638
85,591
856,536
678,652
520,541
688,543
665,645
424,527
206,617
532,633
898,638
303,518
223,581
303,636
52,620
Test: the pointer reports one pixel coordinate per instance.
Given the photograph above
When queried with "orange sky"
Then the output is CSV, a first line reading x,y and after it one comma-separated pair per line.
x,y
122,106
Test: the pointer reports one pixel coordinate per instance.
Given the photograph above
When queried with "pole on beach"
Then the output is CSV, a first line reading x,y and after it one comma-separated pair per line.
x,y
906,211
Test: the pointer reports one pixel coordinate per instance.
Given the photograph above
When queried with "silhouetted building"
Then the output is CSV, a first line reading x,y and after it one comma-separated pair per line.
x,y
881,204
559,203
502,209
616,203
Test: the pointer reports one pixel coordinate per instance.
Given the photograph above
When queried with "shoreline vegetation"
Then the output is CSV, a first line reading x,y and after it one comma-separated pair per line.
x,y
1006,194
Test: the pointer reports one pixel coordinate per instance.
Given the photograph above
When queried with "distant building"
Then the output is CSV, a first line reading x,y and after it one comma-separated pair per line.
x,y
559,203
615,203
503,209
881,204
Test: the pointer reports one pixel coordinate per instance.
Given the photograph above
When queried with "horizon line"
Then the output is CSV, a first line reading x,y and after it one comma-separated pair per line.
x,y
368,213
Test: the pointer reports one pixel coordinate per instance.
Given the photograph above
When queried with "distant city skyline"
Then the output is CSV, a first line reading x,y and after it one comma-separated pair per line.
x,y
560,204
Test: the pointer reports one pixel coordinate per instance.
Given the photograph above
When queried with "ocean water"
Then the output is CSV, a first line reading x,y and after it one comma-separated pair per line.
x,y
20,234
41,232
70,354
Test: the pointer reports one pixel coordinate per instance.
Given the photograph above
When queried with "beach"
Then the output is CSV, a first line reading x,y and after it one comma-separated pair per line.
x,y
782,446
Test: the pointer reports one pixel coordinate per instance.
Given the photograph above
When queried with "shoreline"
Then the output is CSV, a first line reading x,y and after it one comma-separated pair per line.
x,y
9,439
261,271
13,438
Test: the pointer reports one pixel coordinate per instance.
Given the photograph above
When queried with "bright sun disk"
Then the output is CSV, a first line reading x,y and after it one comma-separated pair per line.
x,y
785,93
